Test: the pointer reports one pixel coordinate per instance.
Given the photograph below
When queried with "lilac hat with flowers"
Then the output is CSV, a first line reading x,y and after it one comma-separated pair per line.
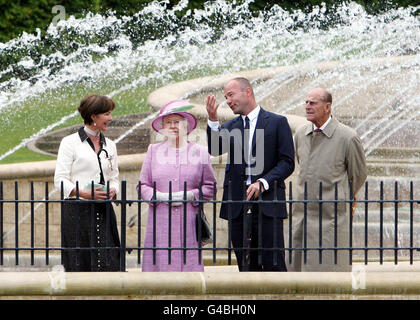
x,y
176,107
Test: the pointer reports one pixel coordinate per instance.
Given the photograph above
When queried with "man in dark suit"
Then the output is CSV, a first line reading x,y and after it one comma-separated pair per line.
x,y
260,152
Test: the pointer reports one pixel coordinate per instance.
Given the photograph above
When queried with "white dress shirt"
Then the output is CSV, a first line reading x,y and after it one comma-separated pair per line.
x,y
253,117
77,161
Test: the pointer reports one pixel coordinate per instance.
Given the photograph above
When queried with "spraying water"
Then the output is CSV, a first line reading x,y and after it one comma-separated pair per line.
x,y
128,57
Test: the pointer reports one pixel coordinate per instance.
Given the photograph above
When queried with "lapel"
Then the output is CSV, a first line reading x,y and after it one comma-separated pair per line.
x,y
262,121
238,123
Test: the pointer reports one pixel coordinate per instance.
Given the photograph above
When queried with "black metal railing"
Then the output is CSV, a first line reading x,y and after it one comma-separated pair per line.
x,y
380,208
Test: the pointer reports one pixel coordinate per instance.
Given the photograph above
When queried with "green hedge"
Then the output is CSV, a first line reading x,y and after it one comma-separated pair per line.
x,y
18,16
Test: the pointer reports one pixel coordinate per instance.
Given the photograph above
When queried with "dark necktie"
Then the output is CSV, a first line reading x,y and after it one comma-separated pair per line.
x,y
246,131
317,130
246,144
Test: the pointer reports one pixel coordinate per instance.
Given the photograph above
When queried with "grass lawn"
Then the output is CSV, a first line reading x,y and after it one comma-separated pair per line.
x,y
27,119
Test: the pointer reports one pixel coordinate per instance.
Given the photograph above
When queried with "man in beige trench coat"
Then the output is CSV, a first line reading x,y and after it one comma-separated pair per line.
x,y
329,152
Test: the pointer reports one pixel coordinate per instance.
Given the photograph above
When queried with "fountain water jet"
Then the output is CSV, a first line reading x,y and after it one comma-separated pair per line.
x,y
102,54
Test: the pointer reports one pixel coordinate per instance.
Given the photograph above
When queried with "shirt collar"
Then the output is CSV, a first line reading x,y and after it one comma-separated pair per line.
x,y
329,127
83,136
324,125
253,114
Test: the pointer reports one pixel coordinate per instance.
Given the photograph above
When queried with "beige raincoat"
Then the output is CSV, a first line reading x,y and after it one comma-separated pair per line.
x,y
333,156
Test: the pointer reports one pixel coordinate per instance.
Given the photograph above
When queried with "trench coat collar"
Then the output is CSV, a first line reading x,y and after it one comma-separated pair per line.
x,y
329,129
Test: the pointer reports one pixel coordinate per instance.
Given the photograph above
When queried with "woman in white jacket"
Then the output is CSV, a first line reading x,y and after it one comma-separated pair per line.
x,y
85,157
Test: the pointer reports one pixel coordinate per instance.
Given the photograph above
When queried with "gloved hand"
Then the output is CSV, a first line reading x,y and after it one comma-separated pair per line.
x,y
177,197
180,195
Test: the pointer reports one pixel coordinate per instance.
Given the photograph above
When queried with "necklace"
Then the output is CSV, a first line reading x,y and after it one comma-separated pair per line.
x,y
92,132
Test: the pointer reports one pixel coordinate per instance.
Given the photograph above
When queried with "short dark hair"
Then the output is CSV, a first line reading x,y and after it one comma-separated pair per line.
x,y
94,104
243,83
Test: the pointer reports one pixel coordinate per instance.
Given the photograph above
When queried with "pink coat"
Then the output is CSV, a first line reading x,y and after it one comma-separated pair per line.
x,y
161,165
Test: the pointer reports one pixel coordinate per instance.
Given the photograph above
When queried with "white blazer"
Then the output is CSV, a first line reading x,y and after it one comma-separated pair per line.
x,y
77,161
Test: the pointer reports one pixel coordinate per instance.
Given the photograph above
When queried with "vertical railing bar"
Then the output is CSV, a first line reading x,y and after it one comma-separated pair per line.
x,y
78,227
275,231
32,223
229,222
245,240
185,223
305,217
290,221
16,224
170,224
61,223
335,222
381,221
260,244
396,223
139,224
214,223
411,221
92,228
47,230
154,223
366,221
123,225
200,207
108,205
320,222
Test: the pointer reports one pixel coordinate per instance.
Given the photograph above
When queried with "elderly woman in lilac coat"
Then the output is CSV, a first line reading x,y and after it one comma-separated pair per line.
x,y
178,161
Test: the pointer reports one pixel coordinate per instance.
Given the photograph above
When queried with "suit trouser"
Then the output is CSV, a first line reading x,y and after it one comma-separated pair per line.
x,y
264,259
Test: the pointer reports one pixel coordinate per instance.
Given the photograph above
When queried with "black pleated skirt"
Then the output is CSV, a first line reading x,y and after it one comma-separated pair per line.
x,y
92,227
